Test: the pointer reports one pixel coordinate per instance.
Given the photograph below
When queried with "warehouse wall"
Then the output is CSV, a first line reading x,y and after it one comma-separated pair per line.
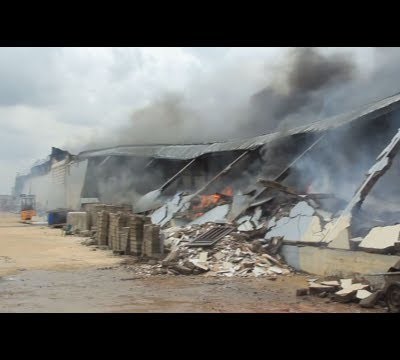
x,y
49,189
75,178
60,188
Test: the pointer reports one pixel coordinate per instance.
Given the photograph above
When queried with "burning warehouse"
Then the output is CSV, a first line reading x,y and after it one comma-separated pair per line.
x,y
329,184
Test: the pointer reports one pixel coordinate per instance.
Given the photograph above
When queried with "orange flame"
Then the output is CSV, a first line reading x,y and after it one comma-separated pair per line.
x,y
208,200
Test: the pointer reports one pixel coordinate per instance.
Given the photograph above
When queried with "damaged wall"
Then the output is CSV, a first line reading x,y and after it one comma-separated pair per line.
x,y
323,262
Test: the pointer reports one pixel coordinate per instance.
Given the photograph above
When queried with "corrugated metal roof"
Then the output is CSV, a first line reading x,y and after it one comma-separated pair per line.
x,y
190,151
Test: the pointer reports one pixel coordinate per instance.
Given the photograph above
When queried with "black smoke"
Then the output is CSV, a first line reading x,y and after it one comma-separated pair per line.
x,y
299,96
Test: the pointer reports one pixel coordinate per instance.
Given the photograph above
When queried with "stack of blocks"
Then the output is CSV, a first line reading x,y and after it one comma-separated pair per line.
x,y
152,243
102,227
94,209
136,223
124,242
117,222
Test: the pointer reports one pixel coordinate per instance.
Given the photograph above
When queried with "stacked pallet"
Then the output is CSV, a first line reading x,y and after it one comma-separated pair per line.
x,y
117,222
124,242
94,209
103,218
136,223
152,243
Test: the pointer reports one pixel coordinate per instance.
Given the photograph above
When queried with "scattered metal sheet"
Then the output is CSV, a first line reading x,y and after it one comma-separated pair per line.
x,y
262,202
211,236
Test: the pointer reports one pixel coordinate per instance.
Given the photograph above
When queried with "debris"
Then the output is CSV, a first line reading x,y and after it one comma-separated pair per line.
x,y
203,256
348,293
354,287
315,288
330,283
345,283
273,245
200,265
363,294
227,265
269,257
219,256
300,226
180,269
275,269
302,292
381,239
258,271
210,237
371,301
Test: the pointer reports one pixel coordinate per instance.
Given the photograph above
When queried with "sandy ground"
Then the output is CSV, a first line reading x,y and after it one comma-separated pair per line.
x,y
43,271
33,247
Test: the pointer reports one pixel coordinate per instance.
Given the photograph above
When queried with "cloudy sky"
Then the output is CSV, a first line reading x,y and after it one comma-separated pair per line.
x,y
66,97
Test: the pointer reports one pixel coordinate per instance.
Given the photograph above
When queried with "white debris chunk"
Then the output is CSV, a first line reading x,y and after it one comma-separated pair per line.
x,y
381,238
345,283
351,288
203,256
332,283
257,271
275,269
363,294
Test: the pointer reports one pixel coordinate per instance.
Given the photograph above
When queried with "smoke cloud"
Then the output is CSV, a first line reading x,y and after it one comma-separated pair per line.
x,y
296,93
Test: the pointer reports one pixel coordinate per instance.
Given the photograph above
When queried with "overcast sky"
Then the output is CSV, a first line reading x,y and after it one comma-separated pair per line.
x,y
65,96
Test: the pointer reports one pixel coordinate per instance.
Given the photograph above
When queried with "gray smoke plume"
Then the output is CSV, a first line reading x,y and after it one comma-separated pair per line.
x,y
307,85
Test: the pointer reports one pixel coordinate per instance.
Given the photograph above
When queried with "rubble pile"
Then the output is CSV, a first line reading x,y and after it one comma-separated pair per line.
x,y
345,291
233,255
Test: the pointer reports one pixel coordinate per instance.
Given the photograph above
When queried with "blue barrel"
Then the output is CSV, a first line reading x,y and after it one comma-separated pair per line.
x,y
51,218
57,217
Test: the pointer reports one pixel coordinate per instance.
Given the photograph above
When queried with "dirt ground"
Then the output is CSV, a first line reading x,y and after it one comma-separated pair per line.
x,y
43,271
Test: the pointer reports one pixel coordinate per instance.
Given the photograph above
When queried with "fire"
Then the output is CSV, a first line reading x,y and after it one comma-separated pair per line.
x,y
208,200
228,191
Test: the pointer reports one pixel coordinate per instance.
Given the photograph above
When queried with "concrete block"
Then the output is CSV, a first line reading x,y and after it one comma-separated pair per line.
x,y
77,220
124,240
103,219
152,241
